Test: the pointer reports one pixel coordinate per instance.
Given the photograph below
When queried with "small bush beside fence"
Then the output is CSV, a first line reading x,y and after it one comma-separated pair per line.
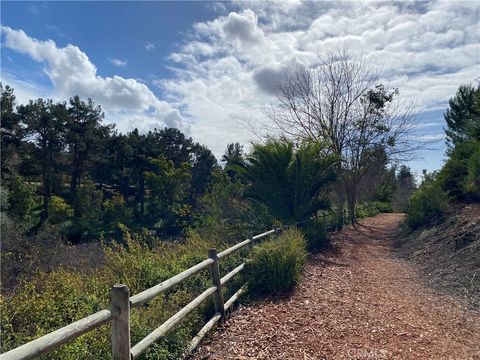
x,y
275,266
315,235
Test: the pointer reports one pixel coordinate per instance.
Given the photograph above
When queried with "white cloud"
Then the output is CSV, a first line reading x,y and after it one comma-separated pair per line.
x,y
118,62
149,46
242,26
224,71
128,102
431,137
227,67
25,90
429,124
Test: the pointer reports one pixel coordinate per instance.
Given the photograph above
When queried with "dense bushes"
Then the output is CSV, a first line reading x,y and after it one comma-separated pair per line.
x,y
275,266
51,300
222,212
426,205
472,183
461,173
459,179
19,199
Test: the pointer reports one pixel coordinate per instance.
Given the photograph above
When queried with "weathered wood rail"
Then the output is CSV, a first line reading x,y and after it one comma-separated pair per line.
x,y
122,303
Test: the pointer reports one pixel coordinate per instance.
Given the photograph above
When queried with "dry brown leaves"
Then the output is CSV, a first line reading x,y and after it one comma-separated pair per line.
x,y
358,302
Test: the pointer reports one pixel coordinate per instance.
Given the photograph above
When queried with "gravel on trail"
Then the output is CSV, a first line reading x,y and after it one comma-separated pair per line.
x,y
357,301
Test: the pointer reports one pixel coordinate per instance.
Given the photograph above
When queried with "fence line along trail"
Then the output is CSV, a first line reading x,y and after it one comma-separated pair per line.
x,y
358,301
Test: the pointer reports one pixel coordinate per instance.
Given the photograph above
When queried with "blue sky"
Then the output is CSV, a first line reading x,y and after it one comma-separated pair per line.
x,y
105,30
197,65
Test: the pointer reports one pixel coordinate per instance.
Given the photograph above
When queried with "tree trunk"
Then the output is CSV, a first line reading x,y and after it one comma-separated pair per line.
x,y
351,209
46,184
352,201
74,182
340,190
340,187
141,193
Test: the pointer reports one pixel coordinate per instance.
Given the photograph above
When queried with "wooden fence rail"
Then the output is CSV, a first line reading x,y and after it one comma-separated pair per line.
x,y
122,303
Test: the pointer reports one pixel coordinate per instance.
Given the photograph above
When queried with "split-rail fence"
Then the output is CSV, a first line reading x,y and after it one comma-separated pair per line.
x,y
122,303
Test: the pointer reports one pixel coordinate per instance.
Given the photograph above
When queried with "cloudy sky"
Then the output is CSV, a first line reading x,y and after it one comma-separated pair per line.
x,y
208,68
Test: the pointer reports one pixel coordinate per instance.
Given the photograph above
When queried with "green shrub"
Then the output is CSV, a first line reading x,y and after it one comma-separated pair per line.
x,y
86,224
426,206
472,183
48,301
383,207
460,174
222,213
366,209
275,266
21,198
58,210
362,211
115,212
315,234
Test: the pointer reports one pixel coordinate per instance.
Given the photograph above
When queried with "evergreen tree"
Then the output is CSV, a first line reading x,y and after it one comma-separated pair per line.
x,y
11,132
204,163
45,123
85,138
463,116
233,155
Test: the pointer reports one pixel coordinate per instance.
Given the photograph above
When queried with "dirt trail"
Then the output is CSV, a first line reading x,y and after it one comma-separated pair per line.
x,y
358,302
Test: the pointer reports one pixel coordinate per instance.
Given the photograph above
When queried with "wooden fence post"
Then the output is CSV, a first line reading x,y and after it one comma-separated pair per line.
x,y
250,246
120,297
215,275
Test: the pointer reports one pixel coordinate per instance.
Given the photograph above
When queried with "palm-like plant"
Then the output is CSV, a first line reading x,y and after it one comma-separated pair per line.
x,y
289,181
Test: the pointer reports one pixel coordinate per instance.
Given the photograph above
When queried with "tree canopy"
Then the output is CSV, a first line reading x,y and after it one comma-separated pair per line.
x,y
463,116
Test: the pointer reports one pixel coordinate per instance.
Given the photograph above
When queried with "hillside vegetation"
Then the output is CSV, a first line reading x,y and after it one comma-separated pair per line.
x,y
85,206
445,210
459,178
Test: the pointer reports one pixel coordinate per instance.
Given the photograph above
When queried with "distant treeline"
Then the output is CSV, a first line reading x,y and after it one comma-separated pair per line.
x,y
82,168
62,166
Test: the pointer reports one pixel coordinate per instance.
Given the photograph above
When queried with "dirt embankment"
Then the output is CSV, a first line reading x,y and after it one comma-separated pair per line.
x,y
448,255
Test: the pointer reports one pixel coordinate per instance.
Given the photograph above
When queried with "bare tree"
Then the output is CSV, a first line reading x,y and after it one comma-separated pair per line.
x,y
340,102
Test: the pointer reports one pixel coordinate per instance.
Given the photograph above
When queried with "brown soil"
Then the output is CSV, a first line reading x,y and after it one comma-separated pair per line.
x,y
360,301
448,255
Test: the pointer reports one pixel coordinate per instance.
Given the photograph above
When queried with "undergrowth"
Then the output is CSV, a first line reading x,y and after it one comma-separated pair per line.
x,y
55,299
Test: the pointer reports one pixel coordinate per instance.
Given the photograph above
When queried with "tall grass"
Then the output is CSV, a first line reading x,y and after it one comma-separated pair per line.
x,y
275,266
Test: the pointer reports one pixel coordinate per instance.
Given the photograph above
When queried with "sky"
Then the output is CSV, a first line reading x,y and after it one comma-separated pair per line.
x,y
208,68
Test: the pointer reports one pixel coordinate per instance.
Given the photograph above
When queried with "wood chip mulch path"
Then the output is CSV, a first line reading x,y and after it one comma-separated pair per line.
x,y
359,301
